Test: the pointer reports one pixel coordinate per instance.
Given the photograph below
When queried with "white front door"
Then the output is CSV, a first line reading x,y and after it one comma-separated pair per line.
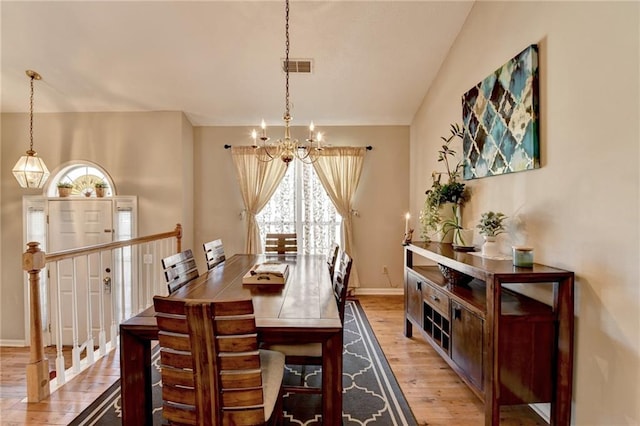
x,y
78,294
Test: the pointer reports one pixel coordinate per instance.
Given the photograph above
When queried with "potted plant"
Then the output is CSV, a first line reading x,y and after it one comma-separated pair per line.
x,y
462,238
435,210
64,188
491,225
101,188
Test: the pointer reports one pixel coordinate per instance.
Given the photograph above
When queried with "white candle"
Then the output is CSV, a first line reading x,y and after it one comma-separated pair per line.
x,y
311,127
406,223
264,128
254,135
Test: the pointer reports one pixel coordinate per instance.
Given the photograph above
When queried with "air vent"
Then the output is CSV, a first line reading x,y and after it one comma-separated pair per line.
x,y
297,65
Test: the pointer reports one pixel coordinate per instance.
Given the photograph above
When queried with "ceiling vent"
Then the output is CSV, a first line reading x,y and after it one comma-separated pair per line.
x,y
298,66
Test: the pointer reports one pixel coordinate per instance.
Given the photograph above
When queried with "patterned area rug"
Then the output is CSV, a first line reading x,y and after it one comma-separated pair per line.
x,y
371,392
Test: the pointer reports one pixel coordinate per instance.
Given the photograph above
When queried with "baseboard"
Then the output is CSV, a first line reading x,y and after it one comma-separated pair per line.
x,y
13,343
370,291
543,410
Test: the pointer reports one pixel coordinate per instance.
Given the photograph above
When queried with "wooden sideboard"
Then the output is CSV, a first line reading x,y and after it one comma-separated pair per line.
x,y
507,347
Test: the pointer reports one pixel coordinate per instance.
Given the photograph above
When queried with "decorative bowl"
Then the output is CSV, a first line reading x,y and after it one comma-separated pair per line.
x,y
454,277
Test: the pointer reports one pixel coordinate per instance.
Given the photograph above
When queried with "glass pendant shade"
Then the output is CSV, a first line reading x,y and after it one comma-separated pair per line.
x,y
30,171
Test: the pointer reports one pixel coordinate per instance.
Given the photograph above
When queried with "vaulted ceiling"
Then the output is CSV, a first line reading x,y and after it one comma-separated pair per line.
x,y
220,61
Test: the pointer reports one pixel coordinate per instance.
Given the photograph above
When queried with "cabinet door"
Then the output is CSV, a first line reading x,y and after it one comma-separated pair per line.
x,y
413,294
466,342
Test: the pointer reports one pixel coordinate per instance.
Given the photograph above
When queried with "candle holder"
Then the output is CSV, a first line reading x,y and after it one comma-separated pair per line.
x,y
407,237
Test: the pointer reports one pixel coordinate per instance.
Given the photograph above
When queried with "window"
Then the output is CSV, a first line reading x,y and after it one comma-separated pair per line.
x,y
83,176
301,205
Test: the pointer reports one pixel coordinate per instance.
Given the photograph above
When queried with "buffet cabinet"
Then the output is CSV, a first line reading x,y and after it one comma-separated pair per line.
x,y
508,348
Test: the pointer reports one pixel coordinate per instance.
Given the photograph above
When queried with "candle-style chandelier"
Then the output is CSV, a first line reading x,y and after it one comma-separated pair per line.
x,y
287,148
30,170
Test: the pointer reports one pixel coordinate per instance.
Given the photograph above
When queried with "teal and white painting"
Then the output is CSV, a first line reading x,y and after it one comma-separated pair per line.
x,y
500,119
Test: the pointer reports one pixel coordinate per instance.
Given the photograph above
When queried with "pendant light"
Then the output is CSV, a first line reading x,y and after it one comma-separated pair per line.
x,y
30,170
287,148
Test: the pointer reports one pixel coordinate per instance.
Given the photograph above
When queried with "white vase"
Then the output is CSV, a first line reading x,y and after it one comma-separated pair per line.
x,y
490,247
446,212
463,237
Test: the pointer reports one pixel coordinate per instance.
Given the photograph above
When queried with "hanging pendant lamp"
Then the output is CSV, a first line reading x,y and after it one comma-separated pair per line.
x,y
287,148
30,170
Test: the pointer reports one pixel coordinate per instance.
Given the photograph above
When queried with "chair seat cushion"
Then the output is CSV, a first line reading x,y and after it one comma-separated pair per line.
x,y
301,350
272,364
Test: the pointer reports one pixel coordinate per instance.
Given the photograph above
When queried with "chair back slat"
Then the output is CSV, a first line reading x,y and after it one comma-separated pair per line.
x,y
341,280
176,362
281,244
214,253
332,256
245,417
179,269
218,379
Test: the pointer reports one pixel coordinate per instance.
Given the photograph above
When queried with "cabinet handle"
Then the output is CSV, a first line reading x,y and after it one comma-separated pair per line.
x,y
435,298
418,285
457,313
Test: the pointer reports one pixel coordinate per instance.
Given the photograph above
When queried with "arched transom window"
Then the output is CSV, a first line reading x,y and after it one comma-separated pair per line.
x,y
82,176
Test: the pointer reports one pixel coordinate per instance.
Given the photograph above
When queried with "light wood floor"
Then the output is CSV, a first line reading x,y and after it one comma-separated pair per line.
x,y
435,393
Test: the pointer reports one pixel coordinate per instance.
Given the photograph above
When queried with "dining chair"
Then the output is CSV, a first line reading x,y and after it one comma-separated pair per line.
x,y
332,256
179,269
281,244
311,353
214,253
212,370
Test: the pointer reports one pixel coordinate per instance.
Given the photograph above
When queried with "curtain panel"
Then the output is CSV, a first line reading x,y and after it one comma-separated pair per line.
x,y
258,181
339,170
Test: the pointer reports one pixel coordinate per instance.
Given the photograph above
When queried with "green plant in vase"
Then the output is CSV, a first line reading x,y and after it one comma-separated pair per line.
x,y
462,237
64,188
101,188
491,225
452,191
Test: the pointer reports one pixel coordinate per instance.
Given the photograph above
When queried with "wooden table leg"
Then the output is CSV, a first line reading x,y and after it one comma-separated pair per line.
x,y
332,380
135,379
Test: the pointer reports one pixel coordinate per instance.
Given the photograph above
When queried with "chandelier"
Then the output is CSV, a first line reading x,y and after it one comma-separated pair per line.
x,y
30,170
287,148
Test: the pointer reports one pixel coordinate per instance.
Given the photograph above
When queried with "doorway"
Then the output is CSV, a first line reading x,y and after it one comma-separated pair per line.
x,y
82,285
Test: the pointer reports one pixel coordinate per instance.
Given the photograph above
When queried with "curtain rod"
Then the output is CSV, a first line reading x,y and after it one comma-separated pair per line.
x,y
369,147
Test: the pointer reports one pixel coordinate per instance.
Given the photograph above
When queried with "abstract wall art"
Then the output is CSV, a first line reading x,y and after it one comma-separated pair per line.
x,y
500,119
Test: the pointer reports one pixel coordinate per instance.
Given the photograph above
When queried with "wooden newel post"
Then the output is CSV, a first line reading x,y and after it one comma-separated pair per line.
x,y
179,238
33,260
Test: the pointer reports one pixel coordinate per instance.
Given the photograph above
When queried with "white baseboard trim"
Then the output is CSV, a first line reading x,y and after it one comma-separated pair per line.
x,y
543,410
13,343
370,291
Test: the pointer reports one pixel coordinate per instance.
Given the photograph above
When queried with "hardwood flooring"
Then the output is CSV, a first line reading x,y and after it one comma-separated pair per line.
x,y
435,393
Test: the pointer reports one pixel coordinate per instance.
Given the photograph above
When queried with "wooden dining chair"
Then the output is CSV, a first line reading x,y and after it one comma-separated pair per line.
x,y
214,253
311,353
332,256
281,244
212,370
179,269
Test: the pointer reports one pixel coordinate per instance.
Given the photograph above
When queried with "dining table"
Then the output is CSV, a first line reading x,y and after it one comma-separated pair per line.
x,y
302,310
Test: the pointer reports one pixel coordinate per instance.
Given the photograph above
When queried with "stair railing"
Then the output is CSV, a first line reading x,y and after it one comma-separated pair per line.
x,y
136,279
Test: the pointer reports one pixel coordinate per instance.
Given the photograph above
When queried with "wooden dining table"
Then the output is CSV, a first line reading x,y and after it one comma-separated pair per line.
x,y
302,310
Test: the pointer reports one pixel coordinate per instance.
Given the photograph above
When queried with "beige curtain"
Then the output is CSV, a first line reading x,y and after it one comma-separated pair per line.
x,y
258,181
339,170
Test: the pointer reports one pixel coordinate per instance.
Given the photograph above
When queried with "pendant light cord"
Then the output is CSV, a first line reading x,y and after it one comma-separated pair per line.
x,y
31,117
286,63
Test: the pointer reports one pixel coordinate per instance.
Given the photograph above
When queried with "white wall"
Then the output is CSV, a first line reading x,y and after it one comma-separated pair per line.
x,y
148,155
580,209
